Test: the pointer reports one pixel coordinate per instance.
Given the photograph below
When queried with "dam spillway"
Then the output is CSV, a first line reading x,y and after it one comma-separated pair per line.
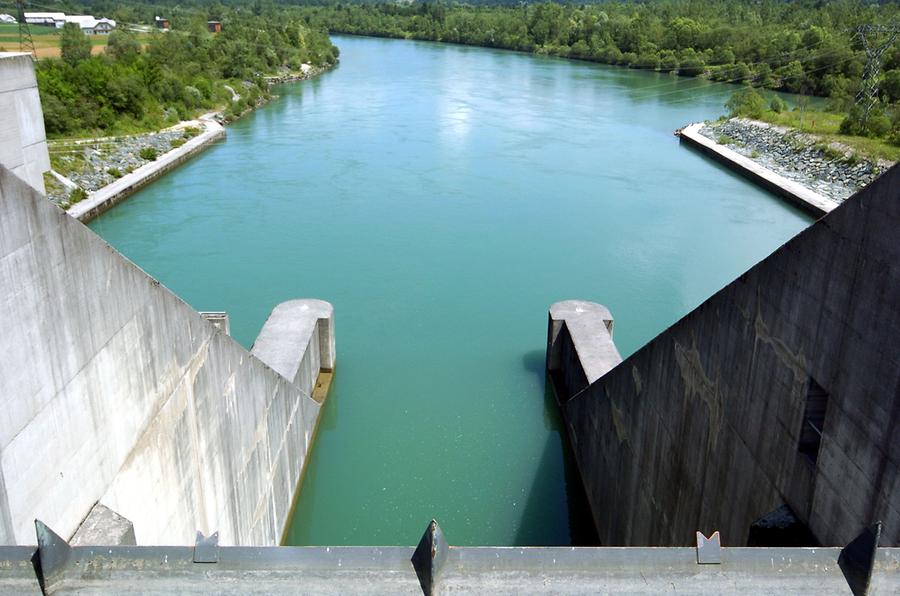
x,y
441,197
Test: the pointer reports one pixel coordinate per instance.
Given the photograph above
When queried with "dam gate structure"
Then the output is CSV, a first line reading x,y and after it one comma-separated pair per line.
x,y
143,450
781,392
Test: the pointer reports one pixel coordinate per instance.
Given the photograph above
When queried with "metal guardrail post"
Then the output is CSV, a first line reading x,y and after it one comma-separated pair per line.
x,y
53,556
206,548
429,558
709,550
857,559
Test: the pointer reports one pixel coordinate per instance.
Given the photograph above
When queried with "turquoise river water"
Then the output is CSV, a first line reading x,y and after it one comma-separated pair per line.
x,y
442,197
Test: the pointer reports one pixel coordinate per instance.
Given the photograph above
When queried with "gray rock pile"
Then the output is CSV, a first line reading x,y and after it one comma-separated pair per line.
x,y
93,165
830,170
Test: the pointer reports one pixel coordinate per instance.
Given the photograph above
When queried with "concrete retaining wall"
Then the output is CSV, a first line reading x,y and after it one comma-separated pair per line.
x,y
112,194
23,142
794,192
700,429
113,389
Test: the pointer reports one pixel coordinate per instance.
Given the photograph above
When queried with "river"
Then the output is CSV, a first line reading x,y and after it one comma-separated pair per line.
x,y
442,197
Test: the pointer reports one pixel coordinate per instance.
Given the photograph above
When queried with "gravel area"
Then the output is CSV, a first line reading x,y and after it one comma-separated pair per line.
x,y
94,164
830,170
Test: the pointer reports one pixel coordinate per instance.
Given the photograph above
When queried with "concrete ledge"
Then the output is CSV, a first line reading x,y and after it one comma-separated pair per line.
x,y
796,193
580,347
466,570
297,341
112,194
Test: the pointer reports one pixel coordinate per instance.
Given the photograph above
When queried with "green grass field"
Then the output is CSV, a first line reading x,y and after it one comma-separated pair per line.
x,y
826,125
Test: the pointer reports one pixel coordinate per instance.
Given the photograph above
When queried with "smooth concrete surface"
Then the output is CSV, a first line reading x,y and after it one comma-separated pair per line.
x,y
105,198
297,341
700,428
23,141
114,390
795,192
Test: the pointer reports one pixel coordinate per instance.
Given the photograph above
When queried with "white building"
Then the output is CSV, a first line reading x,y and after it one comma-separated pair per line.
x,y
7,18
89,24
49,19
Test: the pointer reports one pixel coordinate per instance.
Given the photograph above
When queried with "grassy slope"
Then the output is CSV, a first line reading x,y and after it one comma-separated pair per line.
x,y
825,125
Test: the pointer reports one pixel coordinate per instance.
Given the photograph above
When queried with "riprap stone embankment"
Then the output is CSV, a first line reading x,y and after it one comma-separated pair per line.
x,y
827,169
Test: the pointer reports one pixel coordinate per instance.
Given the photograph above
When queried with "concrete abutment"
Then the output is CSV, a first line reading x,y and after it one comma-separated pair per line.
x,y
114,391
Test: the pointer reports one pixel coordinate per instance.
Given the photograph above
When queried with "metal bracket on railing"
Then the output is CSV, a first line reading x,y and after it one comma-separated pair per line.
x,y
858,558
429,557
206,549
53,556
709,550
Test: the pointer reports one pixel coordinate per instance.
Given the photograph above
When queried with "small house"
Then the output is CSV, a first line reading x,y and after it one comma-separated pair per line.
x,y
162,24
214,26
104,26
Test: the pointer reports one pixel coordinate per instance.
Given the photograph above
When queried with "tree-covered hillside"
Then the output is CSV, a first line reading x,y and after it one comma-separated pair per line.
x,y
135,86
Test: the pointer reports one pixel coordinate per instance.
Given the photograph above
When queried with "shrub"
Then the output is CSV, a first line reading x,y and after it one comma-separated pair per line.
x,y
878,124
77,195
148,153
747,103
778,105
114,172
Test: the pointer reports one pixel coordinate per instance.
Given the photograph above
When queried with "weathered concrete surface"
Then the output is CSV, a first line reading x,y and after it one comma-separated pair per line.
x,y
467,570
23,142
699,429
580,348
104,527
113,389
108,196
798,194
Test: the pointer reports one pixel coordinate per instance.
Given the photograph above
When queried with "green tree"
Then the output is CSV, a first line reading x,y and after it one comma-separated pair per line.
x,y
73,45
746,103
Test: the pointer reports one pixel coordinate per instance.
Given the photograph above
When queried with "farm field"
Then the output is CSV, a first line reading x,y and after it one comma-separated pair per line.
x,y
46,40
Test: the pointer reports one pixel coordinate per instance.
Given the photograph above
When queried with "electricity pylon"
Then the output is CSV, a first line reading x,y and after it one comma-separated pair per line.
x,y
868,87
26,43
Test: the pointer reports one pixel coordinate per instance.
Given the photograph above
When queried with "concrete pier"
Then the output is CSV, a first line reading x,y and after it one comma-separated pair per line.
x,y
107,197
794,192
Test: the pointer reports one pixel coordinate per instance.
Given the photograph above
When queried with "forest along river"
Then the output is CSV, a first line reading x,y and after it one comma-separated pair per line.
x,y
442,197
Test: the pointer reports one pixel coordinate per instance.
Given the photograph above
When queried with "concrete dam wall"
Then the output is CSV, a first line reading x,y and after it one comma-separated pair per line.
x,y
781,389
23,141
113,390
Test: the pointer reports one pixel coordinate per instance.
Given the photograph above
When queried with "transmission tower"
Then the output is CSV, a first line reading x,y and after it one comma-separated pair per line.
x,y
26,43
868,88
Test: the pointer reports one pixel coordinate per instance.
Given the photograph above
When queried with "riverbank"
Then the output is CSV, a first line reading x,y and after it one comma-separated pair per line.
x,y
112,168
104,198
828,168
794,192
